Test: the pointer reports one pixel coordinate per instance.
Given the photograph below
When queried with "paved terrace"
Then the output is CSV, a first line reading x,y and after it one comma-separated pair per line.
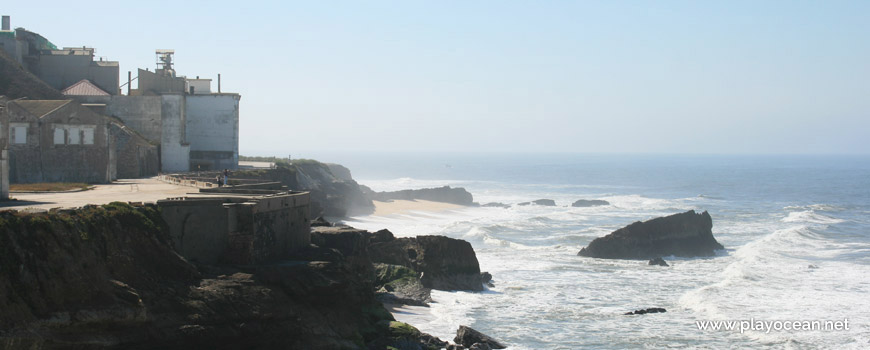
x,y
127,190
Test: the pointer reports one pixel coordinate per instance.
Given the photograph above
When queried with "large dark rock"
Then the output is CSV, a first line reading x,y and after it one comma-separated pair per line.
x,y
445,263
396,284
466,336
582,203
444,194
686,234
108,277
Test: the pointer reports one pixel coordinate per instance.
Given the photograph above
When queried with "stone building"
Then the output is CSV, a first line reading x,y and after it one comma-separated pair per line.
x,y
193,127
63,141
57,141
196,128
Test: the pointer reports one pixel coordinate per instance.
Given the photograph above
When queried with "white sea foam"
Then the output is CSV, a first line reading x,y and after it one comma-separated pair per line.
x,y
779,265
810,216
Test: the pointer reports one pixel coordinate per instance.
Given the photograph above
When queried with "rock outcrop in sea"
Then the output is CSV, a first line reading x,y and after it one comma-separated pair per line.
x,y
445,194
583,203
543,202
686,234
443,263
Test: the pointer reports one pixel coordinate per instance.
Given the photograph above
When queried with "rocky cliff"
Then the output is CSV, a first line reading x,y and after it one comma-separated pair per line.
x,y
107,277
686,234
331,195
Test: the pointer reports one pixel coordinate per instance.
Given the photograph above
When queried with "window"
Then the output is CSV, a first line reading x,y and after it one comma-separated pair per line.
x,y
59,138
18,133
88,135
75,136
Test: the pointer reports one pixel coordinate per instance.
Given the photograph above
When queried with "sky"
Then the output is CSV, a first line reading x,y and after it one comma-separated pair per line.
x,y
697,77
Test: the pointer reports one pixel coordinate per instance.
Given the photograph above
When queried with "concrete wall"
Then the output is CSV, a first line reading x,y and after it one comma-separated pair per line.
x,y
212,129
240,230
60,71
136,157
142,113
157,83
199,227
174,149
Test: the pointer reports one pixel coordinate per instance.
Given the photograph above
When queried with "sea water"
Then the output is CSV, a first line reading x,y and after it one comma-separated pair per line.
x,y
796,231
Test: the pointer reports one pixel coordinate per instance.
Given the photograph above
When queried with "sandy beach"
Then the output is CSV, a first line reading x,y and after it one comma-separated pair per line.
x,y
407,206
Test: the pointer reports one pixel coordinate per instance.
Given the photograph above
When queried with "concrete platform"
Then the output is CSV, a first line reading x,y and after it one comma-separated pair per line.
x,y
125,190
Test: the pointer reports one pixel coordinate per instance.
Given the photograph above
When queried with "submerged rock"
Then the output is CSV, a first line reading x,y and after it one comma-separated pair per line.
x,y
582,203
686,234
468,337
543,202
658,261
652,310
496,205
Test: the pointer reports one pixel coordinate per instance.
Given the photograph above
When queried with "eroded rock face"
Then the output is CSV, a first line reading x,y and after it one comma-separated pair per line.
x,y
468,337
108,277
445,263
686,235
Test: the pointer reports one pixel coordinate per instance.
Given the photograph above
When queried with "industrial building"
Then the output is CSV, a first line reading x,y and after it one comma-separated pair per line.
x,y
176,120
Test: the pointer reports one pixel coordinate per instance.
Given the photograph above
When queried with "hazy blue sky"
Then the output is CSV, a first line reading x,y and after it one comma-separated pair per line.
x,y
560,76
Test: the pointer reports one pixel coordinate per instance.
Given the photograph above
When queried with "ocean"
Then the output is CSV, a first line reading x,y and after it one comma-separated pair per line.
x,y
796,231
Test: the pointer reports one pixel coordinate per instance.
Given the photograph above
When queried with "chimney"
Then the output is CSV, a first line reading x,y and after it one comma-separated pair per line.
x,y
219,83
6,23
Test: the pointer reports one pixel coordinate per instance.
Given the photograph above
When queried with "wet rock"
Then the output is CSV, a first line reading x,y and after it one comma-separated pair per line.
x,y
658,262
480,346
686,234
320,221
583,203
466,336
545,202
486,278
652,310
444,263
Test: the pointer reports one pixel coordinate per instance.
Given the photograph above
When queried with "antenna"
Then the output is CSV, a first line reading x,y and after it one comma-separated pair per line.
x,y
164,61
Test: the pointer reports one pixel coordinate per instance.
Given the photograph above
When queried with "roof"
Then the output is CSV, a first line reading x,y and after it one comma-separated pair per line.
x,y
84,88
41,108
